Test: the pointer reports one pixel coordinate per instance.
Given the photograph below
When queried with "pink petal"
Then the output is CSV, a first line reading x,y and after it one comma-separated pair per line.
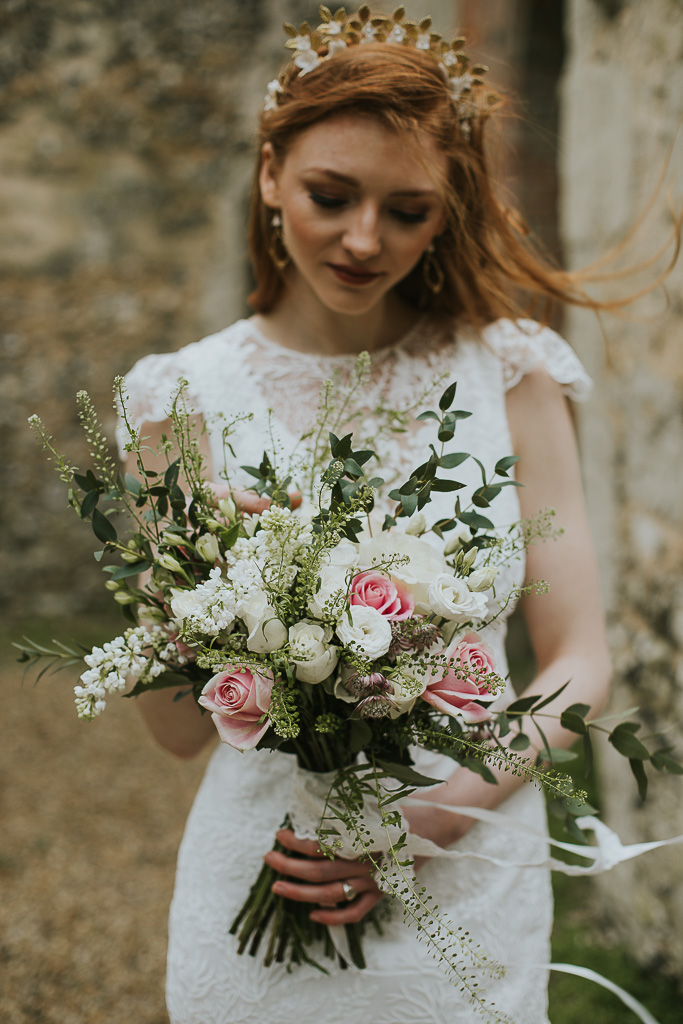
x,y
242,734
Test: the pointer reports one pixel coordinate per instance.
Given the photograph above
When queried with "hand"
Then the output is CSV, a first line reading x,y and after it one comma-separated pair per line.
x,y
321,881
249,501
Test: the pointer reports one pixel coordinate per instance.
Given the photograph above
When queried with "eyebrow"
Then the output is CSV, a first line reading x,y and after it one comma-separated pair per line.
x,y
347,180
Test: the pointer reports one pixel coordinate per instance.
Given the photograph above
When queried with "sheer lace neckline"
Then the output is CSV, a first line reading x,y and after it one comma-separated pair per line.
x,y
404,341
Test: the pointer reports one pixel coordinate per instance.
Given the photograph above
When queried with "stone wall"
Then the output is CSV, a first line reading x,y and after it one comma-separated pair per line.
x,y
621,107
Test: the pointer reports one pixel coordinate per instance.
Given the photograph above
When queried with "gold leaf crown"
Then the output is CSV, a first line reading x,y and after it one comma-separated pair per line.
x,y
338,31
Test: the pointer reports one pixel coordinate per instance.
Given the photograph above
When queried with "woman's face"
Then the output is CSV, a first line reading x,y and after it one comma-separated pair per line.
x,y
358,209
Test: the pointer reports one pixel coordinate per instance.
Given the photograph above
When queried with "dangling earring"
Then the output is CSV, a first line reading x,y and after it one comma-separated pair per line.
x,y
277,248
431,270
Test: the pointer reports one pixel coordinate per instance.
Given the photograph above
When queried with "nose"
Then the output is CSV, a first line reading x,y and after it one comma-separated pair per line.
x,y
362,235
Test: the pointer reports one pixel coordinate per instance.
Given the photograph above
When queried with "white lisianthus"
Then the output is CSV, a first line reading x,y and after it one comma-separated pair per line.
x,y
425,563
368,632
332,580
266,632
227,507
311,651
169,562
207,547
482,579
450,597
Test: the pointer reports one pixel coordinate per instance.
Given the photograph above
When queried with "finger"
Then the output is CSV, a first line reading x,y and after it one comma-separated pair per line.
x,y
351,912
316,869
307,847
329,894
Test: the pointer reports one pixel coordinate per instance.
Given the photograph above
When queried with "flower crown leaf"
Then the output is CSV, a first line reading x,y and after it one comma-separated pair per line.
x,y
338,31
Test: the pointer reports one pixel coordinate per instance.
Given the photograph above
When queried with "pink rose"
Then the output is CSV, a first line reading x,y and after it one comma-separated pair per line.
x,y
470,661
390,598
239,698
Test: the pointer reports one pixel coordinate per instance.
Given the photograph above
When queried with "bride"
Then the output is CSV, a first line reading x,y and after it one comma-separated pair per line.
x,y
375,227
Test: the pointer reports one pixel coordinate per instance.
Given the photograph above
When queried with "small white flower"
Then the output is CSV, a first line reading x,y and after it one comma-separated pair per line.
x,y
368,632
333,28
336,46
459,84
368,33
227,505
482,579
332,581
307,60
451,598
396,36
207,548
270,103
424,41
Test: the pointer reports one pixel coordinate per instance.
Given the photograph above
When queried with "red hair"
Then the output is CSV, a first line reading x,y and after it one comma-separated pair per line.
x,y
491,266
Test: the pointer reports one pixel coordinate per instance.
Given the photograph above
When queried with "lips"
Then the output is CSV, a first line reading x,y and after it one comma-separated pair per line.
x,y
352,275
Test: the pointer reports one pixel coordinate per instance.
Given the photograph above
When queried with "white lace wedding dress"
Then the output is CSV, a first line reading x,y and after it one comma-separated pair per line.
x,y
243,797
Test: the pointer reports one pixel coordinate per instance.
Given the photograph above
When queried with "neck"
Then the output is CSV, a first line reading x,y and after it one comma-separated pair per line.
x,y
301,322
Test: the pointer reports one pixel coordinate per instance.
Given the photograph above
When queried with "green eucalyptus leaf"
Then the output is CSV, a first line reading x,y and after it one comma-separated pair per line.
x,y
473,519
503,465
407,774
103,528
625,742
639,775
447,397
573,722
428,416
89,503
519,742
453,460
664,763
133,569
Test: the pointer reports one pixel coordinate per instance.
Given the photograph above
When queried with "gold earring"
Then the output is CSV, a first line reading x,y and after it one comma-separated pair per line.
x,y
431,270
277,248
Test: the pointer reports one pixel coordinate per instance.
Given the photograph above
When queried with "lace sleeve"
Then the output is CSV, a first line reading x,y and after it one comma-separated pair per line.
x,y
524,345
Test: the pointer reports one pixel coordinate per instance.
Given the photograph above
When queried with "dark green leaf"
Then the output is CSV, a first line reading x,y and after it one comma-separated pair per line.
x,y
89,503
428,416
664,763
579,709
578,808
171,474
473,519
479,768
452,460
521,705
446,434
409,502
102,528
520,742
133,569
558,755
479,500
389,521
132,484
352,468
639,775
548,700
573,722
409,487
502,466
587,756
408,775
446,485
447,397
624,740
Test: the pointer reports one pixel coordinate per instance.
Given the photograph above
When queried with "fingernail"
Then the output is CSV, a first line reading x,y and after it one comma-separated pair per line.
x,y
279,888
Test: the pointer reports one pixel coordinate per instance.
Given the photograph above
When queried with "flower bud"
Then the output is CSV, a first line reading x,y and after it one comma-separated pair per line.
x,y
172,539
130,556
470,557
458,539
112,585
151,616
207,548
124,597
482,579
212,524
417,524
227,507
170,563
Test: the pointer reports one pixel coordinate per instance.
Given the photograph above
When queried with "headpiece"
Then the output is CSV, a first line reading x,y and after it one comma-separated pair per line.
x,y
338,31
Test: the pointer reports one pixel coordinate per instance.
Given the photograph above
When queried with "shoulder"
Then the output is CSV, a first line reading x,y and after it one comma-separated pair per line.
x,y
526,348
190,358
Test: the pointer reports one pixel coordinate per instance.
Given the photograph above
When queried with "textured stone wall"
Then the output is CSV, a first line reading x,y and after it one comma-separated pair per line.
x,y
621,106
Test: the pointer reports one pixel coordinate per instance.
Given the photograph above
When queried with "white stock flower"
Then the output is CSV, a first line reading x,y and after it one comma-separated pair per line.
x,y
450,597
425,562
311,651
368,632
207,547
208,608
266,632
482,579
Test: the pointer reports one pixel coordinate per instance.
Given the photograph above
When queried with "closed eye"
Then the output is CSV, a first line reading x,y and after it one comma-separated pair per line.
x,y
409,218
329,202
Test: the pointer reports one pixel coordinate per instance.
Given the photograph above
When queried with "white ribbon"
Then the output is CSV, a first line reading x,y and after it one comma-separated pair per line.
x,y
309,791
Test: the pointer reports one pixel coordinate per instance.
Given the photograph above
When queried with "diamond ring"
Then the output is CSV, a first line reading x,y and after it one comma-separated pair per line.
x,y
349,891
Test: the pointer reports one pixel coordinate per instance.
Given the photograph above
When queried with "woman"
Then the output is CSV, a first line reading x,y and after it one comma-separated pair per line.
x,y
374,226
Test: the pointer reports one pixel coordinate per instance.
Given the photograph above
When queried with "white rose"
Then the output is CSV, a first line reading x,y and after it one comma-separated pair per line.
x,y
482,579
266,632
369,633
332,579
344,555
451,598
207,548
184,604
311,651
425,563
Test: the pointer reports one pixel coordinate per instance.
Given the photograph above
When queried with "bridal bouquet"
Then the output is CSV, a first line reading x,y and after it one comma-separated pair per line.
x,y
323,632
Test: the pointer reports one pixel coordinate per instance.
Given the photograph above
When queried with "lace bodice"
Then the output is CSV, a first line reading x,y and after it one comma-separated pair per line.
x,y
243,797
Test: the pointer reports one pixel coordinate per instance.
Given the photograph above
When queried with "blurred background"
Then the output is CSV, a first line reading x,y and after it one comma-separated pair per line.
x,y
126,154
